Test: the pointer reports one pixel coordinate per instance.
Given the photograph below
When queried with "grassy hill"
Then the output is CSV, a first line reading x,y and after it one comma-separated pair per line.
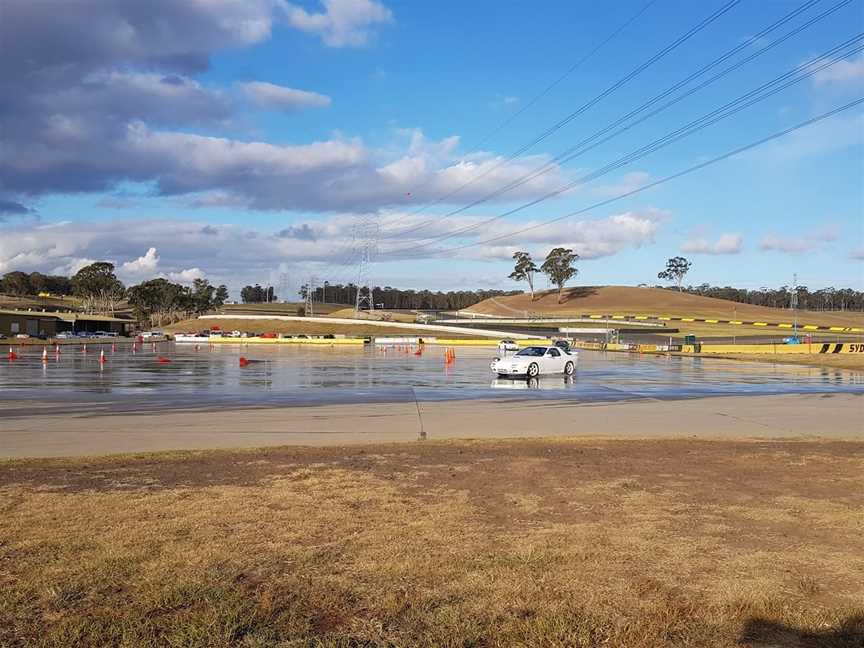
x,y
290,308
626,300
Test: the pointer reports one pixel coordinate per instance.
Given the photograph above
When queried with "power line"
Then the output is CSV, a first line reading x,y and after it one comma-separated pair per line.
x,y
580,148
566,74
669,178
748,99
592,102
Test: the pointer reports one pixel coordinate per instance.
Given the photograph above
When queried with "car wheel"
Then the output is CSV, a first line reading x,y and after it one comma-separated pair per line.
x,y
533,370
500,375
568,369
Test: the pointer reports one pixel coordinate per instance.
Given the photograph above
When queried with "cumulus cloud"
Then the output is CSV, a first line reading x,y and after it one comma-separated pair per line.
x,y
343,22
187,277
97,94
726,244
275,97
849,72
799,243
235,255
143,265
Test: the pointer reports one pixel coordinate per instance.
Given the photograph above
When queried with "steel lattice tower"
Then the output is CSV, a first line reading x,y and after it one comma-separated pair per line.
x,y
366,234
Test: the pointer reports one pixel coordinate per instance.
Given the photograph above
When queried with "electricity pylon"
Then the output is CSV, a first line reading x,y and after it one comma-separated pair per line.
x,y
366,233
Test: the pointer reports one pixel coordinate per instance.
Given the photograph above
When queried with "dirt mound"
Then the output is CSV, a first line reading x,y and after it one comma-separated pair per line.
x,y
626,300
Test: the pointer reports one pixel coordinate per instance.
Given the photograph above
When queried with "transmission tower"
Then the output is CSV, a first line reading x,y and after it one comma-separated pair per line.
x,y
793,304
310,297
366,233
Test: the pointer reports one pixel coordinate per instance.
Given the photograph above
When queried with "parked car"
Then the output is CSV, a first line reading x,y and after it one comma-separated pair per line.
x,y
22,336
65,335
536,360
2,337
508,345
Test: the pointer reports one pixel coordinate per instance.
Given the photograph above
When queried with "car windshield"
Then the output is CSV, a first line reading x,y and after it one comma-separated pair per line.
x,y
532,351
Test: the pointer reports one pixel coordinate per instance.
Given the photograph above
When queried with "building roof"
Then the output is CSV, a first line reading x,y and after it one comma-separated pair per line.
x,y
66,317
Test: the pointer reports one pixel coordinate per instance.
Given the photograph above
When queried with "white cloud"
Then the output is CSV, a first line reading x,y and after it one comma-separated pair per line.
x,y
187,276
799,243
843,73
726,244
627,183
143,265
237,255
275,97
343,22
857,254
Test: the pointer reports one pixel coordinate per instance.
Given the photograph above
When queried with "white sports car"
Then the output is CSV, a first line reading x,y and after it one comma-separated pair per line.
x,y
536,360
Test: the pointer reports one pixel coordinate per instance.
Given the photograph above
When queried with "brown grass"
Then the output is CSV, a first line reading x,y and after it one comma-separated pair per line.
x,y
522,543
610,300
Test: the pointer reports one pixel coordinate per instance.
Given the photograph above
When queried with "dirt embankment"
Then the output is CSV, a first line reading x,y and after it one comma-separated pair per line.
x,y
609,300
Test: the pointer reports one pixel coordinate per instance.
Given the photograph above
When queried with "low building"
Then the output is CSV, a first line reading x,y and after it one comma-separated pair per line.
x,y
35,323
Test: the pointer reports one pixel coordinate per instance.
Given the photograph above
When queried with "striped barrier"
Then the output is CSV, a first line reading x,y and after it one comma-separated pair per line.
x,y
701,320
730,349
258,340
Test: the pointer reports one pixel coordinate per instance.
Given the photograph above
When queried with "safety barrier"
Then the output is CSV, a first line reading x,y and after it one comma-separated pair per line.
x,y
730,349
258,340
784,349
702,320
487,342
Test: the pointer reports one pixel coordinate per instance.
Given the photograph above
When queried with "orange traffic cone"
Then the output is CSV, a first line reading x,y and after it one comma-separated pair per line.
x,y
84,349
12,355
101,356
45,354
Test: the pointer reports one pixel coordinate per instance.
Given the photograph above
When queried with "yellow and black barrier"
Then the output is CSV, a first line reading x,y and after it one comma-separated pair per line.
x,y
702,320
730,349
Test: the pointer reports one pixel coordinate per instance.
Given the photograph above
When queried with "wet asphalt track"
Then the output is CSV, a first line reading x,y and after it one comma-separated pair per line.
x,y
294,375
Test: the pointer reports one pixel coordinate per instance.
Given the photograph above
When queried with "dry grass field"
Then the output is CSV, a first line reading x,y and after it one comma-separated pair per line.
x,y
519,543
609,300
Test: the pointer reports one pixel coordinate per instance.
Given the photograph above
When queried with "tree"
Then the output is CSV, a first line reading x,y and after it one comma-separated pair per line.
x,y
221,295
256,294
202,295
15,283
559,267
98,287
159,301
524,270
676,268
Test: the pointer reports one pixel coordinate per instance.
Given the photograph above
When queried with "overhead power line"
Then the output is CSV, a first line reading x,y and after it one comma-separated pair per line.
x,y
657,183
592,102
764,91
578,64
583,147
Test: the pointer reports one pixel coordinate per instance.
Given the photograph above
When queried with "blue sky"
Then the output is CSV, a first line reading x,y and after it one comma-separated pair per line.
x,y
243,141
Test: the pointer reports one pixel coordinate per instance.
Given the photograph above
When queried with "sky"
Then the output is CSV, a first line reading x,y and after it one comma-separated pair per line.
x,y
267,141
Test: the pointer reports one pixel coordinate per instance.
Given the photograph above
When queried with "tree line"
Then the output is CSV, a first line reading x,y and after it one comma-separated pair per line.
x,y
824,299
395,298
157,301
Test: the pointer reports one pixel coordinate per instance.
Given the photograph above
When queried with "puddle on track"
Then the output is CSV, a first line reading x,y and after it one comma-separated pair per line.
x,y
295,375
